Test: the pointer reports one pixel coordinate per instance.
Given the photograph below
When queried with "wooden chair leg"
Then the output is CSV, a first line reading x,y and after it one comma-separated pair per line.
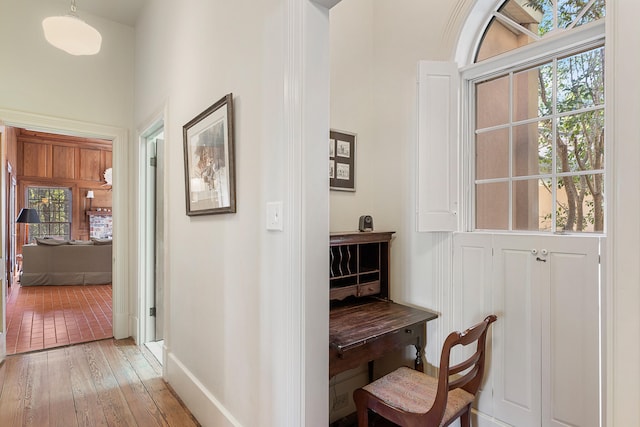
x,y
361,408
465,418
363,417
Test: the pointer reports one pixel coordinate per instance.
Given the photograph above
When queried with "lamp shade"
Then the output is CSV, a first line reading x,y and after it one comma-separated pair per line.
x,y
72,35
90,194
28,216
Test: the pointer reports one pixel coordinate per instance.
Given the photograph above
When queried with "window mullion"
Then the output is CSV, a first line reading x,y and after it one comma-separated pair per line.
x,y
511,210
554,147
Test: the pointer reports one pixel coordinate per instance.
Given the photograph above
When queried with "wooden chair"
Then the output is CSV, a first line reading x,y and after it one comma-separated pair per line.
x,y
411,399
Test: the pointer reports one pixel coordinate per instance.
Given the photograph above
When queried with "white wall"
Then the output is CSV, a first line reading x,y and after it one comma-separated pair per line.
x,y
375,48
38,78
623,270
352,108
214,314
240,297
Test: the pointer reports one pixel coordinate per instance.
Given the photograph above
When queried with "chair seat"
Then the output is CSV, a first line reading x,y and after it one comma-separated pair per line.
x,y
413,391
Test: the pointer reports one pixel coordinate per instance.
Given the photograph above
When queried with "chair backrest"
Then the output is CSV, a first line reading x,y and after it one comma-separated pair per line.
x,y
467,374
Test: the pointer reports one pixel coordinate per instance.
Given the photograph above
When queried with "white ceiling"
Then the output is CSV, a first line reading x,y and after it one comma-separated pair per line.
x,y
122,11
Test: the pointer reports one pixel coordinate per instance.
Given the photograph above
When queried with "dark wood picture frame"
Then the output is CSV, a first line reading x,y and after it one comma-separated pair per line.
x,y
209,160
342,160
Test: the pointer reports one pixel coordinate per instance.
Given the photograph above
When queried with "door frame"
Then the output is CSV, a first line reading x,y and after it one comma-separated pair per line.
x,y
147,128
3,245
121,239
146,323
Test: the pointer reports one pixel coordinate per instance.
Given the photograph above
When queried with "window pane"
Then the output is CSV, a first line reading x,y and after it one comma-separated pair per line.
x,y
54,208
500,38
569,10
597,11
492,154
539,131
534,15
580,205
532,150
580,143
532,93
492,206
581,80
492,103
518,17
532,201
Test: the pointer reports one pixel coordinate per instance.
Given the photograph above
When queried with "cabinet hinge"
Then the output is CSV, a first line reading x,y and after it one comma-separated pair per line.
x,y
152,312
153,161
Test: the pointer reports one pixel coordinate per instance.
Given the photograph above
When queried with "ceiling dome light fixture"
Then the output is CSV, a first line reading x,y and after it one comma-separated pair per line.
x,y
72,34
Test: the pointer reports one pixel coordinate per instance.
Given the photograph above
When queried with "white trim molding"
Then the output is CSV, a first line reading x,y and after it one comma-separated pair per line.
x,y
327,3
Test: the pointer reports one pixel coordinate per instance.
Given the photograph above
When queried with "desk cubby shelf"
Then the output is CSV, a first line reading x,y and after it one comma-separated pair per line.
x,y
359,265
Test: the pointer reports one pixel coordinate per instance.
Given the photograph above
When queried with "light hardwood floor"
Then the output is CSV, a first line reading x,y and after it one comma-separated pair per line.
x,y
102,383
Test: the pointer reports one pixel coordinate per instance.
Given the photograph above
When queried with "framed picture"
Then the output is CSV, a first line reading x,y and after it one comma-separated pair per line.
x,y
342,160
209,167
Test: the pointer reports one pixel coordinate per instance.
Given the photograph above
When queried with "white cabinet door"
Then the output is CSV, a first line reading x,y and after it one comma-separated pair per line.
x,y
516,336
546,361
571,334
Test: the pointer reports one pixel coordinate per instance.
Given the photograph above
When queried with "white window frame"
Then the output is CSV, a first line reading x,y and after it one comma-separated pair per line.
x,y
585,37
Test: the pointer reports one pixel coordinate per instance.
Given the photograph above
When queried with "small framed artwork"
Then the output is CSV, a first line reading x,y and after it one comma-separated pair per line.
x,y
209,164
342,160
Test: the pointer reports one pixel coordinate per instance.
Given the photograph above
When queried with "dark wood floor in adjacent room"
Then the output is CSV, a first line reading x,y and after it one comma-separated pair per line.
x,y
108,382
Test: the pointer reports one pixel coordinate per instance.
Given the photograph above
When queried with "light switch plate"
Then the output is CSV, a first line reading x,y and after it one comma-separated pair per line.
x,y
274,216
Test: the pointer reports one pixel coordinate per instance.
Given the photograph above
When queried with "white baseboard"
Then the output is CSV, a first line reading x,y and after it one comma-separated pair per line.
x,y
483,420
121,326
208,410
3,346
341,389
133,329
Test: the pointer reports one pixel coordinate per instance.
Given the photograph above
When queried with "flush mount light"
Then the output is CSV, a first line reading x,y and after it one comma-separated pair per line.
x,y
72,34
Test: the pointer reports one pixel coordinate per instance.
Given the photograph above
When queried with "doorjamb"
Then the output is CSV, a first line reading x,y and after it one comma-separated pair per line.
x,y
157,119
152,126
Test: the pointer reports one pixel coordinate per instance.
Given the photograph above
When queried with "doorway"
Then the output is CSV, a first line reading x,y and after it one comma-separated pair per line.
x,y
118,136
49,308
152,240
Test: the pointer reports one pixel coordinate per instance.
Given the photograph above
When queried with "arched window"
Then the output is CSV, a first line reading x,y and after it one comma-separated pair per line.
x,y
537,118
516,23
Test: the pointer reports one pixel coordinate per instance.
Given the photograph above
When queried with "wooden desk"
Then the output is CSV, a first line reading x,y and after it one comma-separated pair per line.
x,y
367,330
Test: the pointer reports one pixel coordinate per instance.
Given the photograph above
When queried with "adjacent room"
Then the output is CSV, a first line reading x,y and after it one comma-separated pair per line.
x,y
60,229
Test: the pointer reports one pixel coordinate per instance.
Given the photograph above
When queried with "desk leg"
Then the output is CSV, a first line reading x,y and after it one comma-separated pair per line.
x,y
418,365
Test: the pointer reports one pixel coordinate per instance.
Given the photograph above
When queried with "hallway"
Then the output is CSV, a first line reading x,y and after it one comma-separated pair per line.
x,y
107,382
